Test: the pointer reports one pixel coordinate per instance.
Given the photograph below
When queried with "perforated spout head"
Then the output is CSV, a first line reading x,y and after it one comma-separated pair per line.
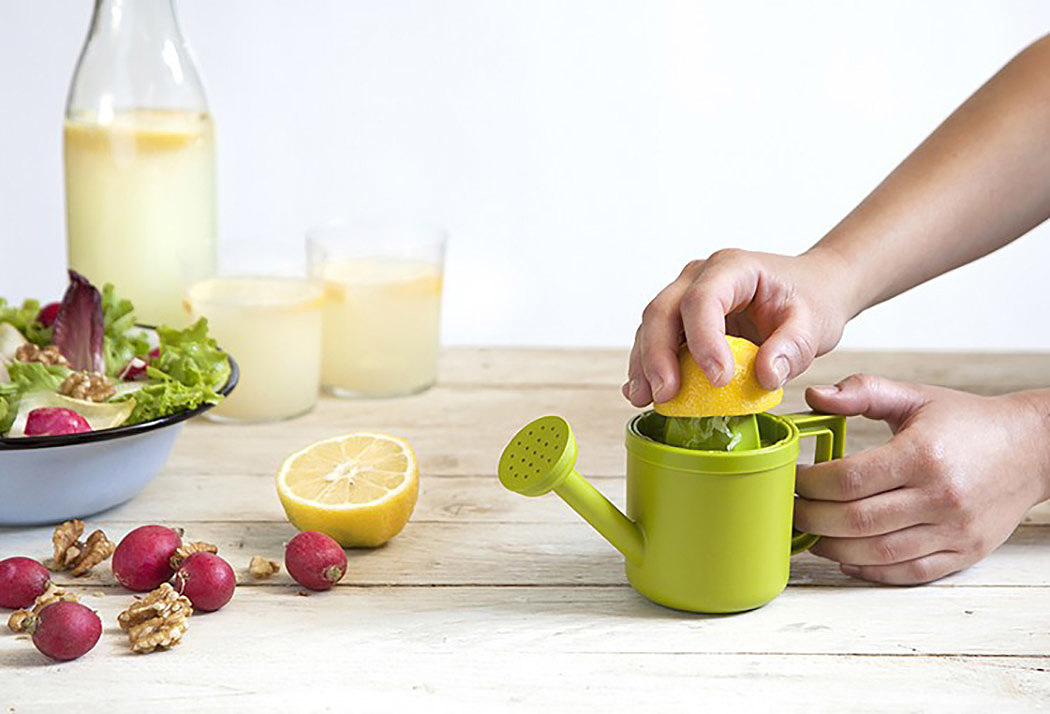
x,y
539,457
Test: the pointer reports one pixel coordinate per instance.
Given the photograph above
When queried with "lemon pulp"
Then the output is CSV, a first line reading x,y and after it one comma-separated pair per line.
x,y
360,488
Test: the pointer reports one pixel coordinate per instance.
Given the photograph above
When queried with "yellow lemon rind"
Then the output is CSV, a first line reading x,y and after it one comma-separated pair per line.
x,y
354,525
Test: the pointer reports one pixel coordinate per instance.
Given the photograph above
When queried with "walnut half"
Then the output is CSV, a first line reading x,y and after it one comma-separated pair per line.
x,y
187,549
77,556
156,621
260,568
20,618
49,355
92,386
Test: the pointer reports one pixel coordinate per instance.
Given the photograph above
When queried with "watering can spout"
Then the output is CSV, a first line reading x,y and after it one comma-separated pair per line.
x,y
541,458
624,534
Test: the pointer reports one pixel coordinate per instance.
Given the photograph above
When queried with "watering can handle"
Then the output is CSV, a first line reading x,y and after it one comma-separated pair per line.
x,y
830,431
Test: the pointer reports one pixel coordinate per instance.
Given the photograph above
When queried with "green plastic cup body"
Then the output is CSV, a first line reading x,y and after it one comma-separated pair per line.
x,y
717,526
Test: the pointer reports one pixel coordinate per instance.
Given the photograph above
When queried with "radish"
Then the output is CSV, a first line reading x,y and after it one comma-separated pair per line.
x,y
315,560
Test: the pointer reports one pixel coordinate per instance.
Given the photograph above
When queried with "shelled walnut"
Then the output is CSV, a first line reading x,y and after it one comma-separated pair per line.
x,y
76,556
92,386
187,549
49,355
260,568
158,620
64,539
52,594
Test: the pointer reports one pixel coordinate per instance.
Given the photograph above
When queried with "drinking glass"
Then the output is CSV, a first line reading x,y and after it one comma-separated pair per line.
x,y
264,310
382,309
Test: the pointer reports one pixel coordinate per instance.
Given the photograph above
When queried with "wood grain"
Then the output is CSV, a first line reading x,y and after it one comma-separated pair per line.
x,y
552,553
296,674
236,497
489,599
987,372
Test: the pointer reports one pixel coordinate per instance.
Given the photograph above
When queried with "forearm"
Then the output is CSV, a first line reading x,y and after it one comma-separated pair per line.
x,y
978,182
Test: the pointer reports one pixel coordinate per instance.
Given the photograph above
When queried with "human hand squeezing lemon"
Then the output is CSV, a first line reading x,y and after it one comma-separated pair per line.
x,y
960,471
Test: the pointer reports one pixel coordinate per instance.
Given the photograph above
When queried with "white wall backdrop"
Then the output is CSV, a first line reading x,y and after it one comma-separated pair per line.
x,y
580,151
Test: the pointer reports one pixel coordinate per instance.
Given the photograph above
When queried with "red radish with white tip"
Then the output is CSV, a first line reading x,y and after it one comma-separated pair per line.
x,y
65,630
55,421
48,313
315,560
22,581
135,369
207,580
142,561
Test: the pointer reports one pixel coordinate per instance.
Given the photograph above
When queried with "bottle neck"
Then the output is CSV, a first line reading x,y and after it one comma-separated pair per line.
x,y
155,17
135,57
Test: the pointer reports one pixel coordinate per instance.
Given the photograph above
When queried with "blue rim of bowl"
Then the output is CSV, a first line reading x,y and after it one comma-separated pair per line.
x,y
88,437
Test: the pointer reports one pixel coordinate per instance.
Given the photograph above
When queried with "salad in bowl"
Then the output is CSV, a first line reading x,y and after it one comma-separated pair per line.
x,y
82,365
91,402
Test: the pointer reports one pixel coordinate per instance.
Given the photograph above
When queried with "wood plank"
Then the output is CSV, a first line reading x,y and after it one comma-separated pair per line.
x,y
291,675
549,620
985,372
454,433
509,554
239,497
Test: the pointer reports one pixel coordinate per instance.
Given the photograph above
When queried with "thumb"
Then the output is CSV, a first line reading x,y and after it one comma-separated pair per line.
x,y
785,354
868,396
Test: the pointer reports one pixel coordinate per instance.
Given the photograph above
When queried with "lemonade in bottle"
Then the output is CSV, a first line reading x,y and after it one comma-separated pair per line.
x,y
140,160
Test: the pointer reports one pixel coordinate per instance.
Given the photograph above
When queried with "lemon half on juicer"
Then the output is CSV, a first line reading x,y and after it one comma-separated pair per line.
x,y
697,397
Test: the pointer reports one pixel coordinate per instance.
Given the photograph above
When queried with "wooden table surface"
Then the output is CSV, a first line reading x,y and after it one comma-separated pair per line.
x,y
489,599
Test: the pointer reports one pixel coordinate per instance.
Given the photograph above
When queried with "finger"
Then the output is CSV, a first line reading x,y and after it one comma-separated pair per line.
x,y
869,396
786,353
661,334
912,572
658,356
637,387
854,477
883,513
896,547
716,293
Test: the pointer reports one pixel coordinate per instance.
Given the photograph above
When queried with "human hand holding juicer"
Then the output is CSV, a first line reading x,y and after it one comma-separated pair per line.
x,y
710,488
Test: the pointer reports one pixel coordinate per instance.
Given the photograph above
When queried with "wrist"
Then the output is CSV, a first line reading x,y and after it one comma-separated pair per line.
x,y
1034,404
842,276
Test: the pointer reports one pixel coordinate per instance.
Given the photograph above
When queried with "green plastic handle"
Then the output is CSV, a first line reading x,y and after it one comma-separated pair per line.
x,y
830,431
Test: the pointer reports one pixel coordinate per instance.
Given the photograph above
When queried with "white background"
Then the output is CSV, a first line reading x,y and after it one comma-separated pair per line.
x,y
579,151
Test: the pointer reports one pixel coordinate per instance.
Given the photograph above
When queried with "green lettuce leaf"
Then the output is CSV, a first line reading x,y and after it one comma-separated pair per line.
x,y
164,395
191,357
7,414
36,376
186,374
712,433
24,318
118,344
26,378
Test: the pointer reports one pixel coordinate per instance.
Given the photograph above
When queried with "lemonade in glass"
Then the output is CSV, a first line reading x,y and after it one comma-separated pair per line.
x,y
382,307
272,327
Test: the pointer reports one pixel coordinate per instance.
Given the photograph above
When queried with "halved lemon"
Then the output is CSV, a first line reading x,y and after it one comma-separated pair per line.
x,y
697,397
359,488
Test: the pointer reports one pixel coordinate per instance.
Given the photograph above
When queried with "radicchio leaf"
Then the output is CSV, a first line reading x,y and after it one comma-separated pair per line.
x,y
79,328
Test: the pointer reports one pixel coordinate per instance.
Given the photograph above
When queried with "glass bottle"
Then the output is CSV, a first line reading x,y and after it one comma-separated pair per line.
x,y
140,160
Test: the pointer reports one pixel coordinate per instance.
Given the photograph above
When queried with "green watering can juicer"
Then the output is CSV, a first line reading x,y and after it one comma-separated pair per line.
x,y
705,530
